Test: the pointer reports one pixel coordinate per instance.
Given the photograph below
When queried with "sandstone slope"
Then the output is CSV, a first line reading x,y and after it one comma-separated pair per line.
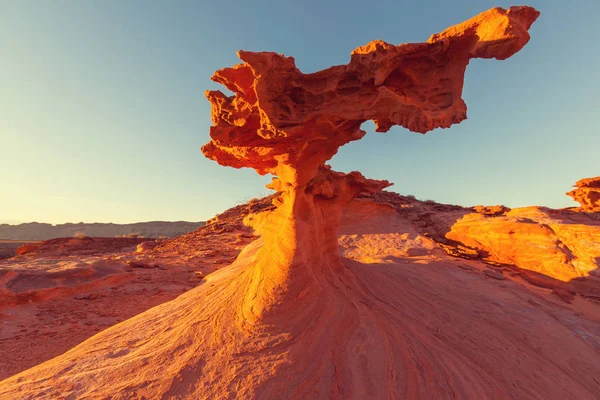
x,y
64,291
386,227
437,326
560,244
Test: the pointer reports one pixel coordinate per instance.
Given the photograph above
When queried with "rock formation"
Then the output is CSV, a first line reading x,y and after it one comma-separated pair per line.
x,y
289,318
587,193
286,123
560,244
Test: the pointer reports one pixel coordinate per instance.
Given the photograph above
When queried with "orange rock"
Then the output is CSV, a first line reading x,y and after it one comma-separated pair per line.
x,y
557,243
587,193
286,123
491,210
28,248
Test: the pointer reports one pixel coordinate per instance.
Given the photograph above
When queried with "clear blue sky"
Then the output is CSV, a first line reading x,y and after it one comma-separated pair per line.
x,y
102,112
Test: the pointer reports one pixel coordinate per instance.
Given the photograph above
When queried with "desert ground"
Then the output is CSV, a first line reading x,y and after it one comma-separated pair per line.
x,y
63,291
8,248
510,331
39,231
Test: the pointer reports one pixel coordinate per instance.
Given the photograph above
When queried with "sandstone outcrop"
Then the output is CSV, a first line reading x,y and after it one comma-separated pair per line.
x,y
381,230
560,244
587,193
288,124
78,246
291,319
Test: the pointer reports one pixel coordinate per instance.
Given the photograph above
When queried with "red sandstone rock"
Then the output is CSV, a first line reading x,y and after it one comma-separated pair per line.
x,y
28,248
561,244
428,320
286,123
147,245
491,210
283,122
372,233
587,193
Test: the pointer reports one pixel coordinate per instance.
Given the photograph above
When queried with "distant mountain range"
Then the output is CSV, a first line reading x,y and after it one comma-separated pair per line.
x,y
41,231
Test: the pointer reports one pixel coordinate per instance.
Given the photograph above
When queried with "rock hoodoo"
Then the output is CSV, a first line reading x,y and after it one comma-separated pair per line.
x,y
286,123
587,193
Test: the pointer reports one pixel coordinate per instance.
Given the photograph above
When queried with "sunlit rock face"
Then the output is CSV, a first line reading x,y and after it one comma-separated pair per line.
x,y
561,244
288,124
587,193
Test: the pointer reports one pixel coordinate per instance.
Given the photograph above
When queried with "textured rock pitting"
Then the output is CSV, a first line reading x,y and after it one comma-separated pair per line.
x,y
587,193
286,123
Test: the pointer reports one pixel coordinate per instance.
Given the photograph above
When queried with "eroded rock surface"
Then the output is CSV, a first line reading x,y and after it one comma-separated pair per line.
x,y
443,319
587,193
556,243
63,291
288,124
560,244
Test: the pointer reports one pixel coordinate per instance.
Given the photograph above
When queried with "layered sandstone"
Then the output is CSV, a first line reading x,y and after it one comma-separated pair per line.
x,y
561,244
412,323
383,230
556,243
587,193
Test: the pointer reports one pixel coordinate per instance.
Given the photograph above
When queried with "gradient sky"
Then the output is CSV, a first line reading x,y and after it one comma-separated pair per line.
x,y
102,111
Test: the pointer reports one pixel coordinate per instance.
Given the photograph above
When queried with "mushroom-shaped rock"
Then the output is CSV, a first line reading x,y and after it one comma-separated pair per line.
x,y
287,123
587,193
281,119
